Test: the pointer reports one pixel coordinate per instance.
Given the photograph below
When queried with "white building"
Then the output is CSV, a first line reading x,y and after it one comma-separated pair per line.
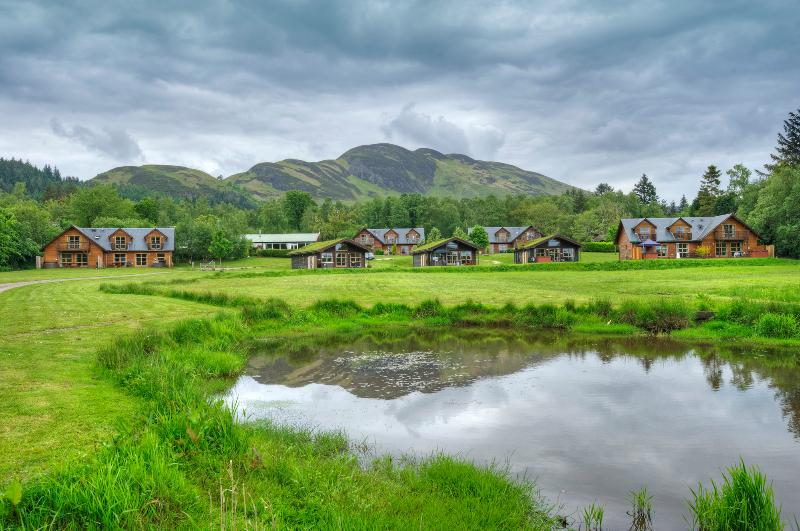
x,y
282,241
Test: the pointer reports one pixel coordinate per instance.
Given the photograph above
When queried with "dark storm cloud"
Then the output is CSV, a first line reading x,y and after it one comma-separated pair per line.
x,y
581,91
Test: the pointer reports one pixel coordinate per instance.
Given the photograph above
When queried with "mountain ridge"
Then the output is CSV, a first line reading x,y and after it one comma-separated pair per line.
x,y
373,170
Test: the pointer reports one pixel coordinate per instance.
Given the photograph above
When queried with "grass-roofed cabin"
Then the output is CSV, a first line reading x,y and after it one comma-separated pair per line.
x,y
447,252
553,248
343,252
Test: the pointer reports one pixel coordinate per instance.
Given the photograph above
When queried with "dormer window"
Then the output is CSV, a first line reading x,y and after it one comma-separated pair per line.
x,y
502,237
119,243
155,243
412,238
74,242
644,232
390,238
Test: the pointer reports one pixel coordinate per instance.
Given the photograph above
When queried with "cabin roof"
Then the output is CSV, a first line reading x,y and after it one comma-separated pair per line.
x,y
321,246
439,243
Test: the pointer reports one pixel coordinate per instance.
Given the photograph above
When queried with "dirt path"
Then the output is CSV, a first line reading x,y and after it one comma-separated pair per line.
x,y
12,285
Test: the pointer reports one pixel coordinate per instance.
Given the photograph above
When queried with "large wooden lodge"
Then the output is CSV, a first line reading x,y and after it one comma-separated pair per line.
x,y
385,239
724,236
506,239
114,247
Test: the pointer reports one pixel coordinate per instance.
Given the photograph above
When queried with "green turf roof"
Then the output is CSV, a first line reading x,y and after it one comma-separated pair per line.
x,y
437,243
316,246
540,240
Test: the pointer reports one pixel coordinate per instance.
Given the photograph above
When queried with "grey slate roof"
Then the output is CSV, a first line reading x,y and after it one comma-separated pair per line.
x,y
137,241
513,232
700,227
402,234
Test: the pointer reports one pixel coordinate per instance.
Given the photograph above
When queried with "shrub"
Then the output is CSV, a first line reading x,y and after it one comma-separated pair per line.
x,y
379,252
777,326
703,251
599,247
273,253
663,316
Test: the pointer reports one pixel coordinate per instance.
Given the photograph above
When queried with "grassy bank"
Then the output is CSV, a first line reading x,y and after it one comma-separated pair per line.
x,y
183,462
772,322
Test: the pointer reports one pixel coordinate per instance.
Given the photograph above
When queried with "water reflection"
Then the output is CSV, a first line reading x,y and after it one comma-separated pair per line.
x,y
591,417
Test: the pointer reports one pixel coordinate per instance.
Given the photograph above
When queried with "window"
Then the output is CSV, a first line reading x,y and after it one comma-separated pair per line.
x,y
466,256
341,259
729,230
540,252
569,254
736,247
66,259
683,250
452,257
503,247
155,242
412,238
722,249
120,258
74,242
644,232
141,259
327,257
82,259
390,238
161,257
119,243
680,233
530,236
502,237
294,246
662,251
355,259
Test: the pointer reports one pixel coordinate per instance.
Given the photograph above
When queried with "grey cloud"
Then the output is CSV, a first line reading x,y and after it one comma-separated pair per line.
x,y
424,130
114,143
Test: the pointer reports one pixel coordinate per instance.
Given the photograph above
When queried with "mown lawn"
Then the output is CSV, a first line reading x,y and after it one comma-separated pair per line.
x,y
55,402
497,288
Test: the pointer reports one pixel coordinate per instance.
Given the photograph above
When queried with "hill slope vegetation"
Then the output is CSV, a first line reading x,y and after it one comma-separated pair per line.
x,y
375,170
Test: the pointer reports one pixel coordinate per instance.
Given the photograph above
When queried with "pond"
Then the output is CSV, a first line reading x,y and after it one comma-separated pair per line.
x,y
591,418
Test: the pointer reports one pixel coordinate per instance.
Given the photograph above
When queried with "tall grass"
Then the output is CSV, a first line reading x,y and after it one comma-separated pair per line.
x,y
742,501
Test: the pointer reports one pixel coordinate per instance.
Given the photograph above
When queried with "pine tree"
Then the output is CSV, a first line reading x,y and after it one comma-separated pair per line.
x,y
579,201
645,190
603,188
684,203
788,146
709,191
673,209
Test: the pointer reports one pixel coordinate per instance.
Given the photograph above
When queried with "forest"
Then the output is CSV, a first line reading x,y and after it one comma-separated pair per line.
x,y
36,205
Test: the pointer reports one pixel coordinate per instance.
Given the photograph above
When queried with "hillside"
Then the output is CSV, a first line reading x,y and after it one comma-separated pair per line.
x,y
175,181
375,170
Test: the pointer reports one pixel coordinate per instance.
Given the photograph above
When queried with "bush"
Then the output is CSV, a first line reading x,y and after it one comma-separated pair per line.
x,y
777,326
379,252
660,317
599,247
273,253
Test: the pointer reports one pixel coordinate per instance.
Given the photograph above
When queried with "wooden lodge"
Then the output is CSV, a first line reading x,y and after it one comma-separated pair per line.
x,y
385,239
724,236
341,253
99,248
447,252
506,239
553,248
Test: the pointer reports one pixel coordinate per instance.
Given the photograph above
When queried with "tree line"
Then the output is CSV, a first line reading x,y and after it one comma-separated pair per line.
x,y
36,205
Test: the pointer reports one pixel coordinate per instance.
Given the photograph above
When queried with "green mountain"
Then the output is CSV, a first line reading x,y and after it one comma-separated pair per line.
x,y
375,170
175,181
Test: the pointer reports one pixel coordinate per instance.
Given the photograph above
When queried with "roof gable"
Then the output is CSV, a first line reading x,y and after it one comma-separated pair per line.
x,y
318,247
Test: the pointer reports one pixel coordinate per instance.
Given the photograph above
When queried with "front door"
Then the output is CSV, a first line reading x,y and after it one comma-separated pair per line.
x,y
554,255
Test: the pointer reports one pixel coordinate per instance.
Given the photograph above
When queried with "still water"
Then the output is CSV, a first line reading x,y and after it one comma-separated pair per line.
x,y
591,419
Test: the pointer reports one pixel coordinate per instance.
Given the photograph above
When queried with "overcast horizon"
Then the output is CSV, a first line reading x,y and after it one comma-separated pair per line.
x,y
583,92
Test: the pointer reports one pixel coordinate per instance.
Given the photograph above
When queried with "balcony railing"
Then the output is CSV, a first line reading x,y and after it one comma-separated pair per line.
x,y
644,236
682,235
119,247
367,241
75,247
731,234
155,246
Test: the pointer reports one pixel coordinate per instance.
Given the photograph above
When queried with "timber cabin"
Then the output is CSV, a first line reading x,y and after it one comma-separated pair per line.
x,y
99,248
553,248
385,239
725,236
447,252
341,253
503,239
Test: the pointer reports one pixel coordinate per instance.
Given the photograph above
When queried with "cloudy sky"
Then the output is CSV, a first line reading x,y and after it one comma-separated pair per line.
x,y
582,91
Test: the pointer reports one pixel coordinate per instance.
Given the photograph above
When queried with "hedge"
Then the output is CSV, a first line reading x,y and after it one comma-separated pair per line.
x,y
274,253
599,247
